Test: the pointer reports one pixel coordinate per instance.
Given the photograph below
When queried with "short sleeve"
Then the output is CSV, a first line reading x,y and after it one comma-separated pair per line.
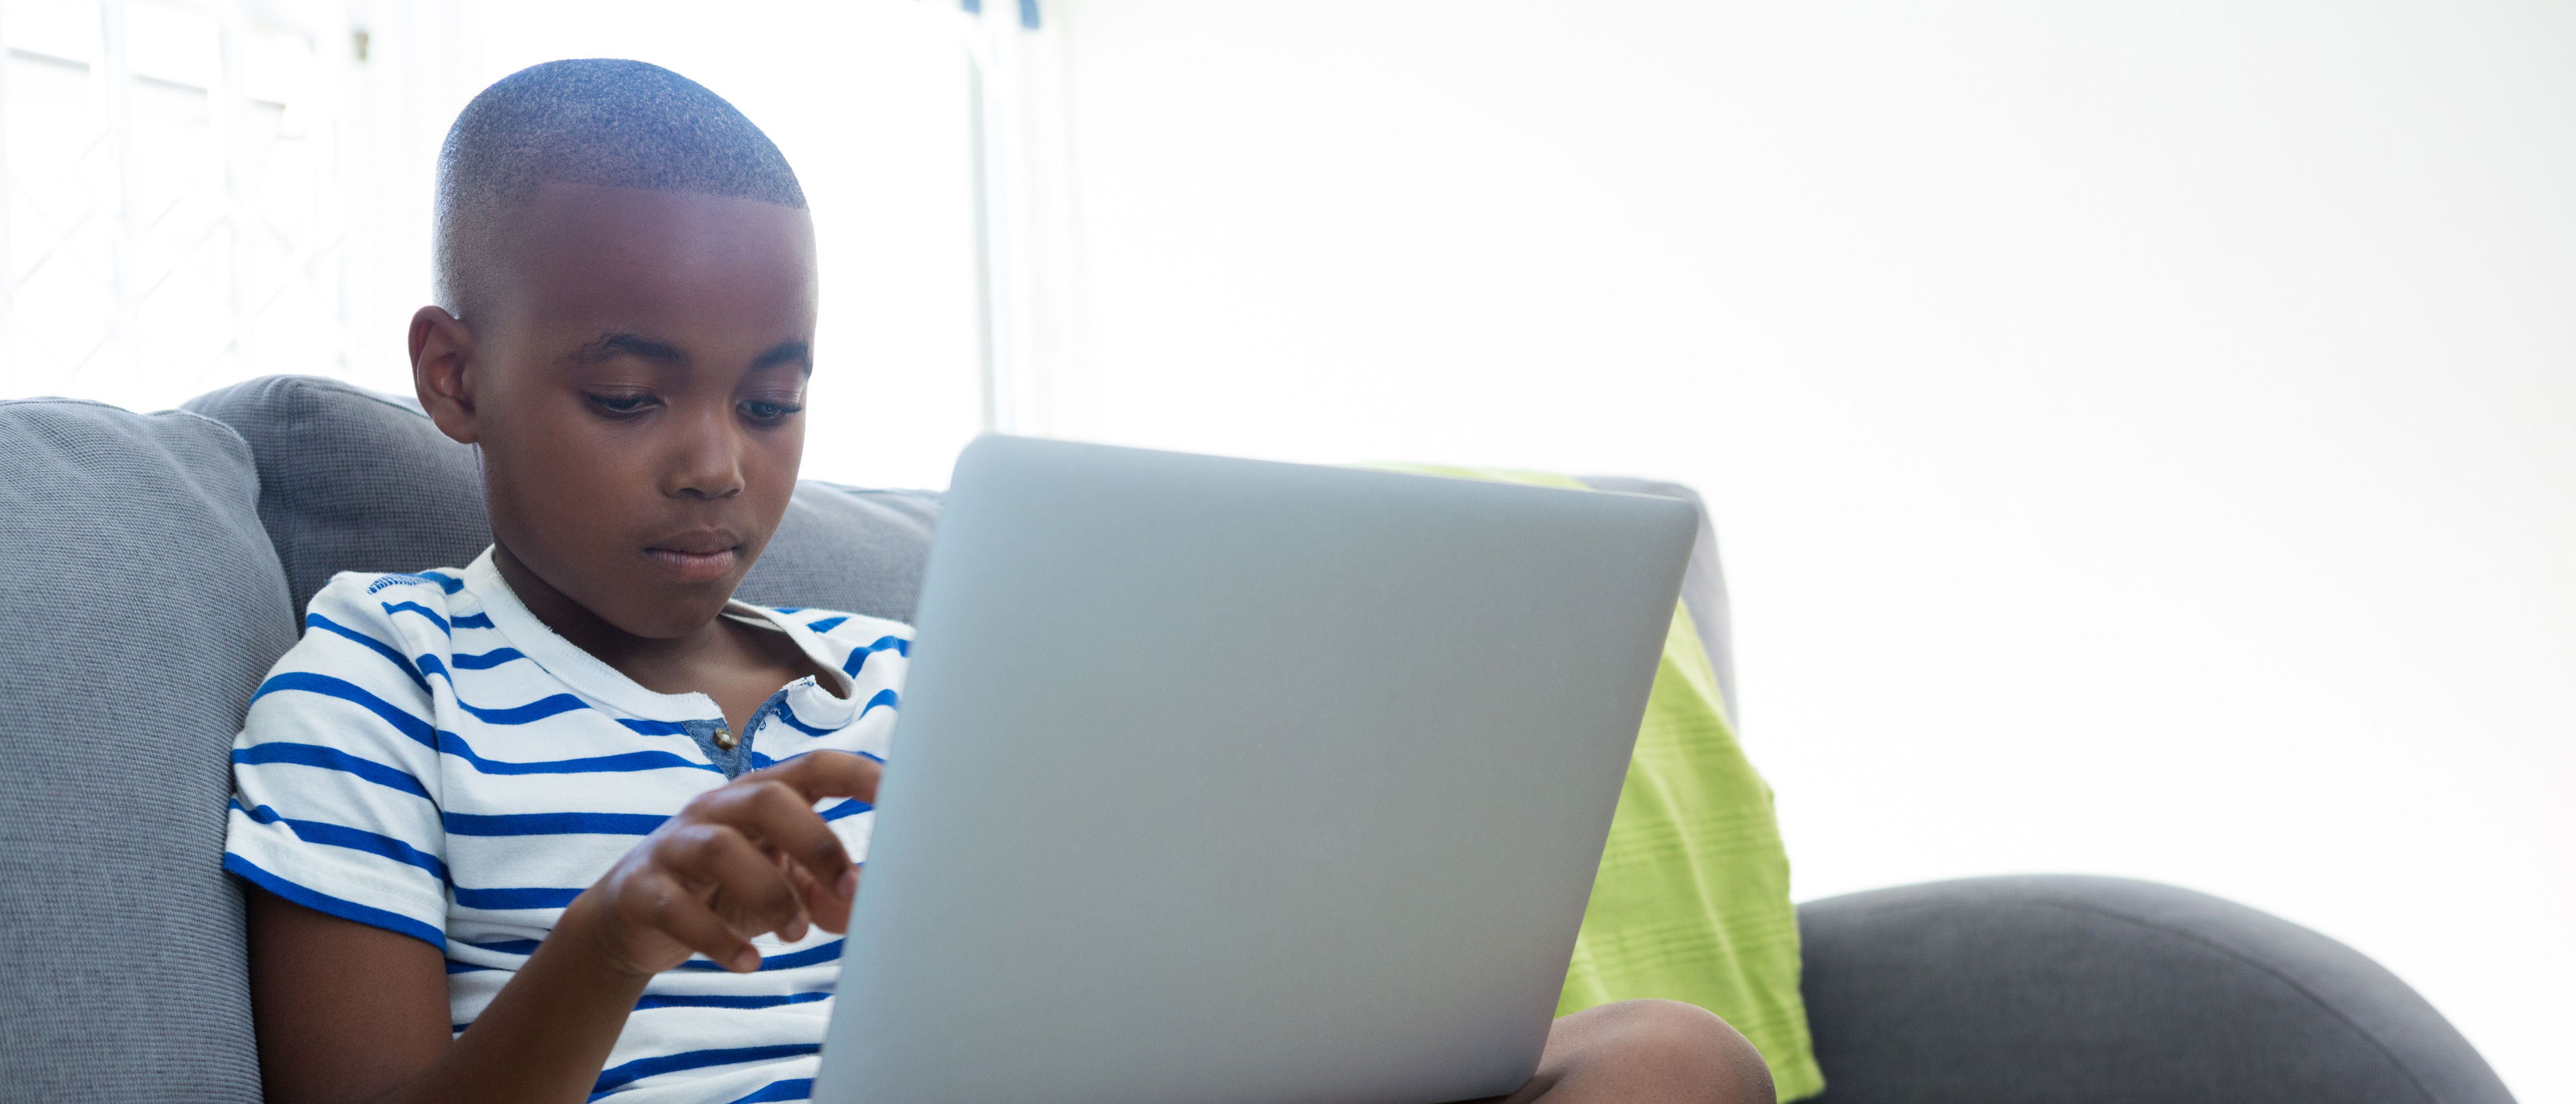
x,y
336,771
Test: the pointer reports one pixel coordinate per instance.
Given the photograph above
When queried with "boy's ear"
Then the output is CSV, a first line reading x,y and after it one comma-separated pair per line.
x,y
441,351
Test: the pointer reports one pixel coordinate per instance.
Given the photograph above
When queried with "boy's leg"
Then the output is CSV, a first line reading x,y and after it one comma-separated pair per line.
x,y
1646,1052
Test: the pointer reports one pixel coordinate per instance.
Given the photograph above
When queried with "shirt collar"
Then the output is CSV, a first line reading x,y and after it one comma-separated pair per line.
x,y
592,678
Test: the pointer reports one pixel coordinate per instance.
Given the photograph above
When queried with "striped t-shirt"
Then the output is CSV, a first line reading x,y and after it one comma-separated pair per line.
x,y
431,759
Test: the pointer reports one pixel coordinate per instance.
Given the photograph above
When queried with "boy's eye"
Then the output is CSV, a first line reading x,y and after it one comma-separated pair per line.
x,y
762,410
622,403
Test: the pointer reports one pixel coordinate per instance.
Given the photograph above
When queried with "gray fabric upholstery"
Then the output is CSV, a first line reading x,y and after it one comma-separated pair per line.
x,y
351,480
1703,587
2064,989
847,548
139,606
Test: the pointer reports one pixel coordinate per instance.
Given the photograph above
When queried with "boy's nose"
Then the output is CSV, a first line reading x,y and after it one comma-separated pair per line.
x,y
707,460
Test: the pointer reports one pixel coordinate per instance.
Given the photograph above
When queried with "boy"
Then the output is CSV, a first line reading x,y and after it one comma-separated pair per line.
x,y
569,822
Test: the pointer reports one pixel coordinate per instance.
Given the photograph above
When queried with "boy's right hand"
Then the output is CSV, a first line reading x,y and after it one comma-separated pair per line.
x,y
739,861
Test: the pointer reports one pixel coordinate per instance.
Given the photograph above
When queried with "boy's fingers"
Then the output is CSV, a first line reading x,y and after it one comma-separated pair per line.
x,y
822,774
749,892
679,914
801,884
783,818
825,903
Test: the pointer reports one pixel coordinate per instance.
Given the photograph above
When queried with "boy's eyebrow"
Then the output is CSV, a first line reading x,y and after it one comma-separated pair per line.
x,y
786,352
610,346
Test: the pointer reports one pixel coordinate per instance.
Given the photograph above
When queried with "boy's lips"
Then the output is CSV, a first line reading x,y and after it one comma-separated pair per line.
x,y
698,557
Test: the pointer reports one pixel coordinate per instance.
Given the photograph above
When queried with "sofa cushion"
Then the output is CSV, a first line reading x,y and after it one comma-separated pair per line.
x,y
141,604
2041,989
351,480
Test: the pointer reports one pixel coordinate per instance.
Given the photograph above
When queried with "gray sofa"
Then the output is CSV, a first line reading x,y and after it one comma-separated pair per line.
x,y
153,565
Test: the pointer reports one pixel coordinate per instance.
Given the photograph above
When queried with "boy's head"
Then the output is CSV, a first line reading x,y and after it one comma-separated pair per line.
x,y
625,283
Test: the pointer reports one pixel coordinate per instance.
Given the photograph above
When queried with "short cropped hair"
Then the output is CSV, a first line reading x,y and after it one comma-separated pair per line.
x,y
619,124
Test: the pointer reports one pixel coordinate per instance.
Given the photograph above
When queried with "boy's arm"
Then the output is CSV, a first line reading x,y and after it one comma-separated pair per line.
x,y
349,1013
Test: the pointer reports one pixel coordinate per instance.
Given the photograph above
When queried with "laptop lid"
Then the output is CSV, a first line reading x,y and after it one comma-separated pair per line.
x,y
1220,779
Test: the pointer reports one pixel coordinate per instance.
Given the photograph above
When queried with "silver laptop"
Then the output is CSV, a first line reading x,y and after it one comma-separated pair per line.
x,y
1224,780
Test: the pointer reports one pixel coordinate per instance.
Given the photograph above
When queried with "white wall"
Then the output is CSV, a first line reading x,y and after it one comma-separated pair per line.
x,y
2137,433
868,98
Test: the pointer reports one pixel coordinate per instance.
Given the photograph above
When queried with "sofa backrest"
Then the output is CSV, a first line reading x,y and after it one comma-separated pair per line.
x,y
351,480
140,603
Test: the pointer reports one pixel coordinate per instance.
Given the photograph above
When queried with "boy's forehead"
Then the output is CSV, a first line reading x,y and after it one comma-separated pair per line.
x,y
630,255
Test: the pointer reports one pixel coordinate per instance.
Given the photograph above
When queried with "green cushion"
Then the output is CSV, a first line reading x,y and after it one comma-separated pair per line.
x,y
1692,902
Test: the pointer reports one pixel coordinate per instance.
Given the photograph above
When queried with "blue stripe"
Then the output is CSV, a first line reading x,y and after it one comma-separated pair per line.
x,y
654,728
450,743
474,621
789,716
317,621
521,947
597,764
732,1002
851,807
325,903
419,730
392,608
828,952
827,624
455,967
445,581
641,1068
759,760
552,824
484,661
340,835
537,710
859,655
421,667
539,897
801,1088
315,755
886,698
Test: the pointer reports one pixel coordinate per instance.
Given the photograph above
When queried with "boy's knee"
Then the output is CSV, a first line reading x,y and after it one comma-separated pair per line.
x,y
1694,1053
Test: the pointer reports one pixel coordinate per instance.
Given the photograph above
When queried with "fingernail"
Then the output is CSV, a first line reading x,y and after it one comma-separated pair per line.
x,y
848,886
747,961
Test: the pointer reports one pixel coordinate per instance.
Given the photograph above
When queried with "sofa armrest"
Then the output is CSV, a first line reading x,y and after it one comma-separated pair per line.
x,y
2063,988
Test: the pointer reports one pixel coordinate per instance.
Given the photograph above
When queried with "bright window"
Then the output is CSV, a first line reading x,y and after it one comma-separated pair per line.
x,y
173,223
204,192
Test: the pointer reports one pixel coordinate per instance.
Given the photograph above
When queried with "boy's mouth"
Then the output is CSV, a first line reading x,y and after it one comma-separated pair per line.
x,y
698,557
